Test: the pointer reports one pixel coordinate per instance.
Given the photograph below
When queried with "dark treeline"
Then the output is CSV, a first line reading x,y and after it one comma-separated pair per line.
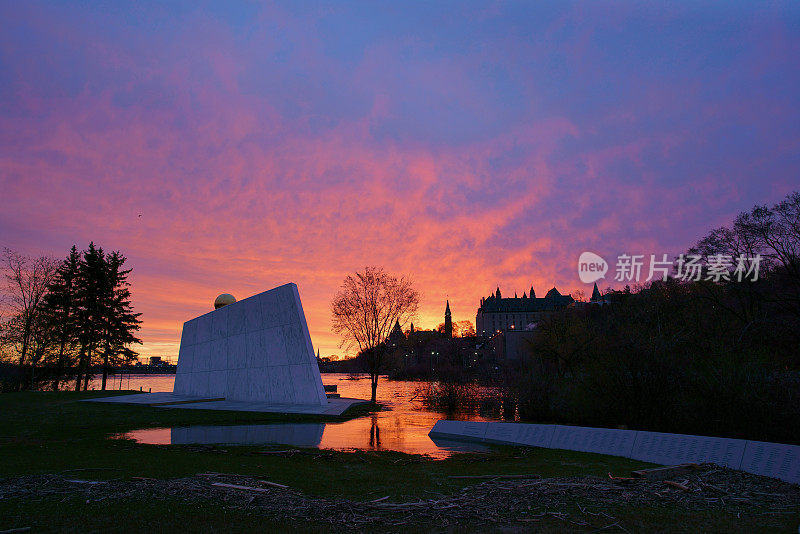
x,y
62,320
424,355
700,356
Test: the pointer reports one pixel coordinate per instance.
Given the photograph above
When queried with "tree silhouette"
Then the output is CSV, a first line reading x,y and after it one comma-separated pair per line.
x,y
60,309
119,320
366,308
26,285
105,321
90,313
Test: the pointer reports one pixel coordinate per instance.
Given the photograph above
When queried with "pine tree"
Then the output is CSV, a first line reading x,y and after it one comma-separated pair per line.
x,y
60,309
90,288
119,320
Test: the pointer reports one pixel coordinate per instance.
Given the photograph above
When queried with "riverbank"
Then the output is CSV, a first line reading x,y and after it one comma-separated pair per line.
x,y
49,441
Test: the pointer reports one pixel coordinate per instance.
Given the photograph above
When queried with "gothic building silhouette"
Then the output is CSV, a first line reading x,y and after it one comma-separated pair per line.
x,y
500,314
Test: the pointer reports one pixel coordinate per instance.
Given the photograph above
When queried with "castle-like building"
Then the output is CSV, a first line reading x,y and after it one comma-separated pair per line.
x,y
500,314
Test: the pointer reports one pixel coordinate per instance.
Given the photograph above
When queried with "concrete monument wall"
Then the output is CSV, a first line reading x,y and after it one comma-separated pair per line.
x,y
257,349
769,459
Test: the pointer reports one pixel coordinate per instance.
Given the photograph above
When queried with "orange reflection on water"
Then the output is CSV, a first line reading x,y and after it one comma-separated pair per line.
x,y
151,436
402,427
374,432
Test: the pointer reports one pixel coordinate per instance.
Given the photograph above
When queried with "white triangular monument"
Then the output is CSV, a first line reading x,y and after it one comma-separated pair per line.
x,y
256,350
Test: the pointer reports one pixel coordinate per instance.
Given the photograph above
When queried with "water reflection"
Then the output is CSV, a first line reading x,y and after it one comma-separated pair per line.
x,y
374,433
299,435
367,433
403,427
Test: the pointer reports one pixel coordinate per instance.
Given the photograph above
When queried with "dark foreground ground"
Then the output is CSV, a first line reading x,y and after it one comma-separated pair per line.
x,y
60,472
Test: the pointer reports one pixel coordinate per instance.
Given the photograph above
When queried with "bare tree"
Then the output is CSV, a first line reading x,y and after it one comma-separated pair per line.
x,y
460,328
366,308
772,233
26,285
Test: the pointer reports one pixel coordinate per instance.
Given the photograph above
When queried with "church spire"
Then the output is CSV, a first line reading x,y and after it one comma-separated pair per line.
x,y
532,293
448,321
596,293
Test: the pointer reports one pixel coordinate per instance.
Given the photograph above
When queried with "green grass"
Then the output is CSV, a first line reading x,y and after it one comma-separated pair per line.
x,y
44,432
52,433
74,515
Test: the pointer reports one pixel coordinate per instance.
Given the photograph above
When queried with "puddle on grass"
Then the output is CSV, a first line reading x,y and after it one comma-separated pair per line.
x,y
402,427
366,433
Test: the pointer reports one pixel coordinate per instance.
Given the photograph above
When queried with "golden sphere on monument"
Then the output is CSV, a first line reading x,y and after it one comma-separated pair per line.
x,y
224,300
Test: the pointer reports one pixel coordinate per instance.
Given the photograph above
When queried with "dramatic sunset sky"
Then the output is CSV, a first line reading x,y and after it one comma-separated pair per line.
x,y
236,146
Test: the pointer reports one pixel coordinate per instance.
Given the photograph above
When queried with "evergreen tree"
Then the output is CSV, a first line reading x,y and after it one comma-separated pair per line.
x,y
119,320
82,316
60,310
90,289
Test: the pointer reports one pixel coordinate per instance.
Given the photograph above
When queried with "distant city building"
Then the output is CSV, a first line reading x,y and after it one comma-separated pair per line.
x,y
519,313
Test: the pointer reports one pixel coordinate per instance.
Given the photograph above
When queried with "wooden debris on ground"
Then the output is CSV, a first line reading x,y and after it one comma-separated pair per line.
x,y
662,473
622,479
82,469
491,501
273,484
494,477
678,485
238,487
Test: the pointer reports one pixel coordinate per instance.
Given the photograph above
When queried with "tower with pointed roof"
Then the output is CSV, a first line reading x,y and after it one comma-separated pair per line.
x,y
596,293
598,298
396,336
448,321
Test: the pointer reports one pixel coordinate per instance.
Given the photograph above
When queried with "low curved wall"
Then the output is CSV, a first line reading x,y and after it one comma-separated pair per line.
x,y
761,458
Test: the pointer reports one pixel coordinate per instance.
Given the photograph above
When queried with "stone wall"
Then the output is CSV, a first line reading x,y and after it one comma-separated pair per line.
x,y
761,458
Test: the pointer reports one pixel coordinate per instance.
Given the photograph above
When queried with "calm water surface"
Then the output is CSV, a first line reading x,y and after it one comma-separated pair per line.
x,y
403,427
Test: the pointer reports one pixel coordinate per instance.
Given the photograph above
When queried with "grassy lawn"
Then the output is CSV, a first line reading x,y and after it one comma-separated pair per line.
x,y
53,433
43,432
